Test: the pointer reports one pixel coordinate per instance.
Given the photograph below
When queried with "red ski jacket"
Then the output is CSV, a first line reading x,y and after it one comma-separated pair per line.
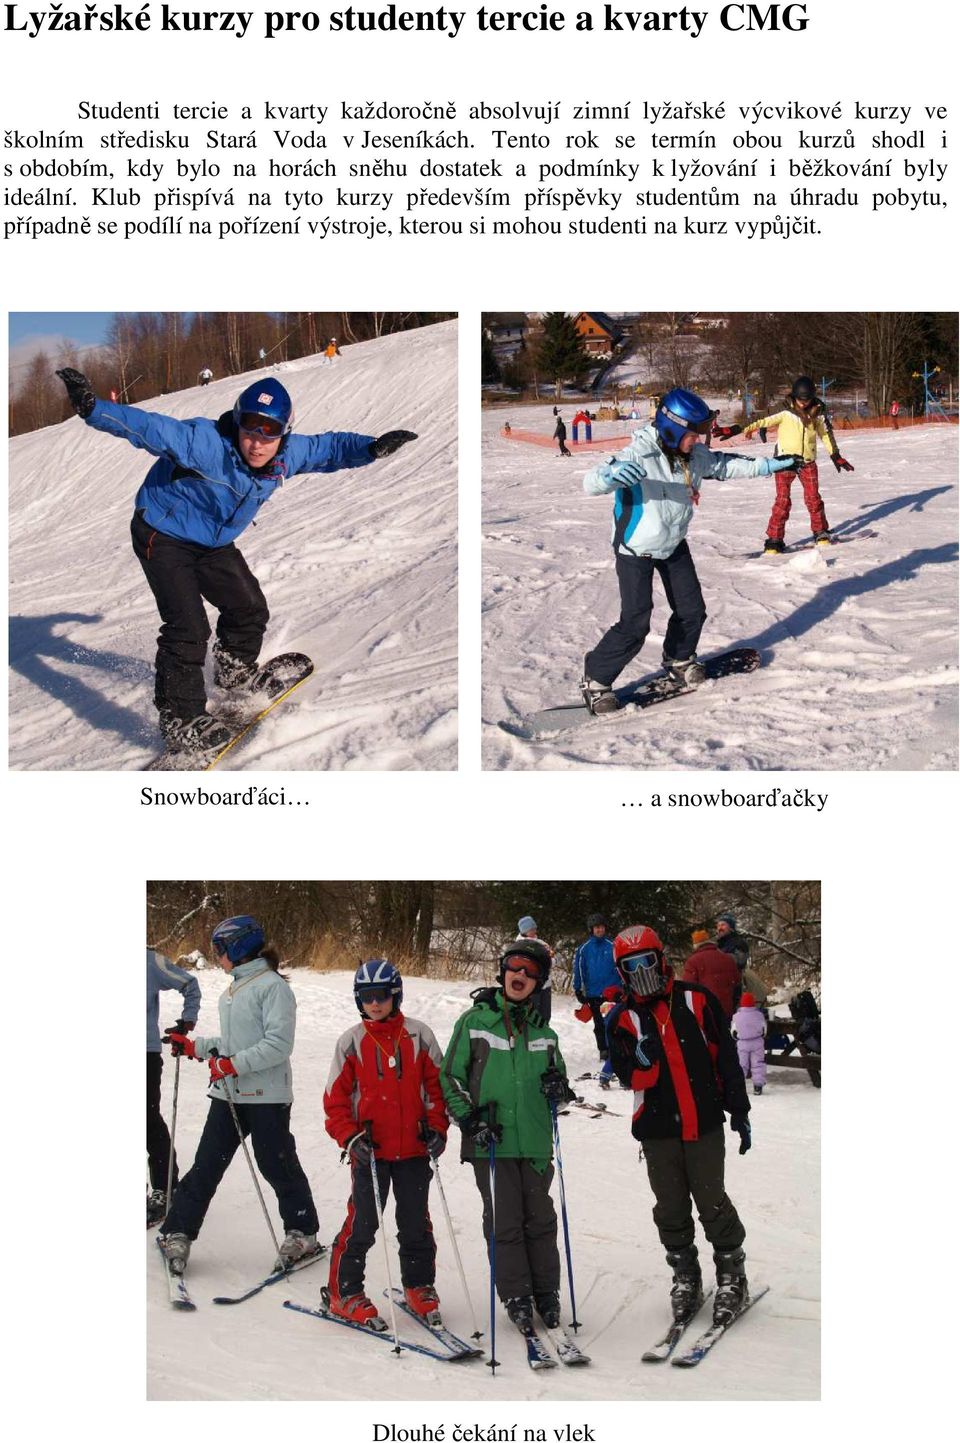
x,y
386,1073
715,970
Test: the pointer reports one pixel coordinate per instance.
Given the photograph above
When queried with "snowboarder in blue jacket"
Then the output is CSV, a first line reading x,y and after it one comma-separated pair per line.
x,y
205,488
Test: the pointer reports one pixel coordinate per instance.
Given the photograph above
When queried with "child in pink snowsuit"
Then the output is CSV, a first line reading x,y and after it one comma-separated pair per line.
x,y
749,1028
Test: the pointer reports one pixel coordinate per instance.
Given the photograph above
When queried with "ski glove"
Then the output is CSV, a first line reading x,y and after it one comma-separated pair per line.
x,y
723,433
740,1123
79,391
769,465
434,1142
182,1025
762,433
359,1149
627,473
554,1087
220,1067
180,1044
840,463
481,1131
389,442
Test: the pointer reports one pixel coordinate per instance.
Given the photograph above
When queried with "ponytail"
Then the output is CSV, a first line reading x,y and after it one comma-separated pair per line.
x,y
271,956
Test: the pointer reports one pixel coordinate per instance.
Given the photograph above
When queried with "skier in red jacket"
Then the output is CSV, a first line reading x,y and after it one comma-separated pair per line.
x,y
384,1102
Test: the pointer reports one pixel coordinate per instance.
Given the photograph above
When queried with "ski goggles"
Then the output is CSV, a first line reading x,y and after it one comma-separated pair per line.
x,y
375,994
256,425
524,965
643,974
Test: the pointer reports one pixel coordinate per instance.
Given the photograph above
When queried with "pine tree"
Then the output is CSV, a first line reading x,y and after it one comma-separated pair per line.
x,y
561,354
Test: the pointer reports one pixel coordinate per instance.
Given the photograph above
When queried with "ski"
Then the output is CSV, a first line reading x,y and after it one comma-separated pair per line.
x,y
538,1354
384,1337
597,1109
275,1276
705,1342
443,1335
661,1351
568,1351
176,1287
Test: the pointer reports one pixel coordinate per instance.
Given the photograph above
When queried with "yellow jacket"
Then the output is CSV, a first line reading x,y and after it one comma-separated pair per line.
x,y
796,434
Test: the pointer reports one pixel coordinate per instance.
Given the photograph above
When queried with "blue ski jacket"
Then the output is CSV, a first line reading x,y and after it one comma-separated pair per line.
x,y
162,974
593,968
201,489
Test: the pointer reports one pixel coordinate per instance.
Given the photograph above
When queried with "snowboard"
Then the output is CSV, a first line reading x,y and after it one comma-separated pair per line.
x,y
808,545
270,685
633,698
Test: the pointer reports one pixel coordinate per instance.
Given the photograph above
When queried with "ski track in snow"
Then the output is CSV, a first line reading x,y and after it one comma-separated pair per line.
x,y
859,642
358,567
260,1350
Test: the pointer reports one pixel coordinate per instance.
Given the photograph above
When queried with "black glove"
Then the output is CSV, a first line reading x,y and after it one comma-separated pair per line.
x,y
79,391
359,1149
434,1142
481,1131
841,464
179,1029
554,1087
739,1122
580,998
389,442
182,1026
762,433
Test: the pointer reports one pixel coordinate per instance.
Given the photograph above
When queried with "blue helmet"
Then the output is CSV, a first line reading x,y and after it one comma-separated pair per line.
x,y
268,400
374,976
238,938
681,411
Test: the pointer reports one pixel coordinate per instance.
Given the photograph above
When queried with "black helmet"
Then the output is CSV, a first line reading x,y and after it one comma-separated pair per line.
x,y
803,389
537,952
596,919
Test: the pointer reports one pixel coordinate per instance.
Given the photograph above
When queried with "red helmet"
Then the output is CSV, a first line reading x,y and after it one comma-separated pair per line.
x,y
638,957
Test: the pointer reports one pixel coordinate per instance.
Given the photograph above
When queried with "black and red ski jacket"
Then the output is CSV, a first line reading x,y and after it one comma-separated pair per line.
x,y
694,1075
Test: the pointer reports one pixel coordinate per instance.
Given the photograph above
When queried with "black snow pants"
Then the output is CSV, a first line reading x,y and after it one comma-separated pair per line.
x,y
621,643
410,1179
267,1124
684,1173
182,575
158,1136
527,1258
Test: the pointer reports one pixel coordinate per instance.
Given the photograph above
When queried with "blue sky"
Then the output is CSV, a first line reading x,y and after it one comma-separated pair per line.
x,y
86,328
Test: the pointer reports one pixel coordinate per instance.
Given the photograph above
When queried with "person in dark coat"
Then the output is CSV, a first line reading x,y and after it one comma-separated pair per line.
x,y
728,939
670,1043
714,969
560,436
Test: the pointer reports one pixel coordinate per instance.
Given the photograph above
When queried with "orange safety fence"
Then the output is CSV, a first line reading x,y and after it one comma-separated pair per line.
x,y
538,438
886,423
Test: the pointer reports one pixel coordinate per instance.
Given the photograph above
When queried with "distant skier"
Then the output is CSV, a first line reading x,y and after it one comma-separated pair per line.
x,y
385,1073
162,975
499,1057
895,415
207,486
206,376
657,480
257,1023
594,971
330,352
802,420
670,1042
749,1031
560,436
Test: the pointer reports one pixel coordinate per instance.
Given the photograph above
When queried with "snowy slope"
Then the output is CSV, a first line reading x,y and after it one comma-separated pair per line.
x,y
260,1350
859,642
359,570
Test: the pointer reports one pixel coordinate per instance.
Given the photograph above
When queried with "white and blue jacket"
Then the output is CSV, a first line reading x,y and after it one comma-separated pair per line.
x,y
258,1017
650,517
201,489
162,974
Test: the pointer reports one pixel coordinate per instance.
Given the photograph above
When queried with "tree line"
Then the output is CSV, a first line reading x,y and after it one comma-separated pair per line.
x,y
148,353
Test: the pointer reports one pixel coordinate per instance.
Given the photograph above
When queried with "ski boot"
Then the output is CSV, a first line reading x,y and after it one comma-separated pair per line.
x,y
156,1206
295,1246
520,1312
731,1294
425,1304
606,1075
176,1250
548,1306
230,672
773,546
822,538
757,1090
686,1295
203,733
357,1308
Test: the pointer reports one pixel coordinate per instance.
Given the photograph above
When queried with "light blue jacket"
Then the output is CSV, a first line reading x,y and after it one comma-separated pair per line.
x,y
593,967
650,517
162,974
258,1015
201,489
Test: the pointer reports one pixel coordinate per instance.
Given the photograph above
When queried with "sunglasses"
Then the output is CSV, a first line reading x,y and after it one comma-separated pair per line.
x,y
640,961
256,425
529,969
376,994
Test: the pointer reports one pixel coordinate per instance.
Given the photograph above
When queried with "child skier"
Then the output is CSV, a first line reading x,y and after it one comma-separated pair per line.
x,y
749,1030
209,482
802,420
384,1102
657,480
500,1074
252,1068
669,1041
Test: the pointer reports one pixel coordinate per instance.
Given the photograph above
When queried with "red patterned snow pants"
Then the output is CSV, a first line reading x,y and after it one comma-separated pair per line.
x,y
809,480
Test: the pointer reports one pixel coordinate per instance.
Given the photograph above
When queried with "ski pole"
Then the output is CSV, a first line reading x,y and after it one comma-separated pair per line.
x,y
491,1118
173,1130
563,1203
243,1143
368,1129
435,1164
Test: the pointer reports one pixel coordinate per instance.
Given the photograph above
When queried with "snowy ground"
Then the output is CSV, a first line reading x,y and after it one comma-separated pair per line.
x,y
260,1350
859,642
359,570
